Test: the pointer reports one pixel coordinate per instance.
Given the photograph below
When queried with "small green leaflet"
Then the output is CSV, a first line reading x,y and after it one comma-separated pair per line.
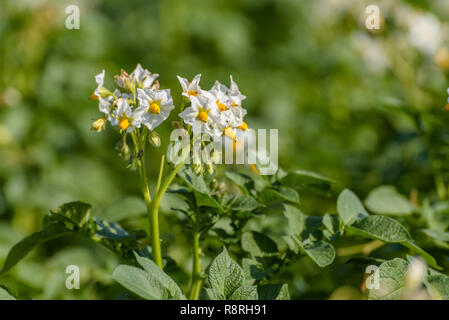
x,y
258,245
387,201
349,207
321,252
391,280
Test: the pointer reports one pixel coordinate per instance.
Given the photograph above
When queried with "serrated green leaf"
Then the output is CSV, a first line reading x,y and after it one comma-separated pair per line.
x,y
391,280
381,228
245,293
273,292
225,275
23,247
349,207
258,244
321,252
387,201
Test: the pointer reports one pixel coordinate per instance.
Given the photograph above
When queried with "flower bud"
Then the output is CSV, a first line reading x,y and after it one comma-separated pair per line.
x,y
213,184
215,156
176,125
197,169
99,124
154,139
122,148
209,168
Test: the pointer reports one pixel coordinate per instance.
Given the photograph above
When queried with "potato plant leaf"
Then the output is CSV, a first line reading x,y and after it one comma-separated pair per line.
x,y
273,292
349,207
225,275
381,228
321,252
245,293
150,283
387,201
5,295
271,195
258,244
23,247
391,280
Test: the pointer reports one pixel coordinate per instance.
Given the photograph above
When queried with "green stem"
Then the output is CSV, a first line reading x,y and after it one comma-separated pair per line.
x,y
154,212
196,270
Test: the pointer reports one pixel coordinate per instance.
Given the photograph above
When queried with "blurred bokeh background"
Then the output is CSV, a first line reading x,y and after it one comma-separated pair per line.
x,y
362,107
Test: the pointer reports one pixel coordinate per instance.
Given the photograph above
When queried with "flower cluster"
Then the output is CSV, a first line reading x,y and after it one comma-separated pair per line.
x,y
141,103
216,112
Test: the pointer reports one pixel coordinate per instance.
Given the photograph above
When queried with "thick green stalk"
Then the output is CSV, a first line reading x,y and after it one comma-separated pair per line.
x,y
195,289
154,212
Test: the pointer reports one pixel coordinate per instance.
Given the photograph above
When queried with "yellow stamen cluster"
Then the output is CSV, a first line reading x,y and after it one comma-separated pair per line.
x,y
202,116
244,126
155,108
192,93
221,106
124,123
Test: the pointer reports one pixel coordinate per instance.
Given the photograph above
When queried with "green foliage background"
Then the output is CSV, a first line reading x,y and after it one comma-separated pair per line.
x,y
306,69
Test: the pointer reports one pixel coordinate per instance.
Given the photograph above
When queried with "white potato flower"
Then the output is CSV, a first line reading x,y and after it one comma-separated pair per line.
x,y
190,88
157,105
202,115
127,118
143,77
139,78
235,95
229,103
99,79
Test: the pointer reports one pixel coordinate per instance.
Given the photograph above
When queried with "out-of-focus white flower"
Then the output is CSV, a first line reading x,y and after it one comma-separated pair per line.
x,y
190,88
127,118
371,51
425,33
157,105
202,115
